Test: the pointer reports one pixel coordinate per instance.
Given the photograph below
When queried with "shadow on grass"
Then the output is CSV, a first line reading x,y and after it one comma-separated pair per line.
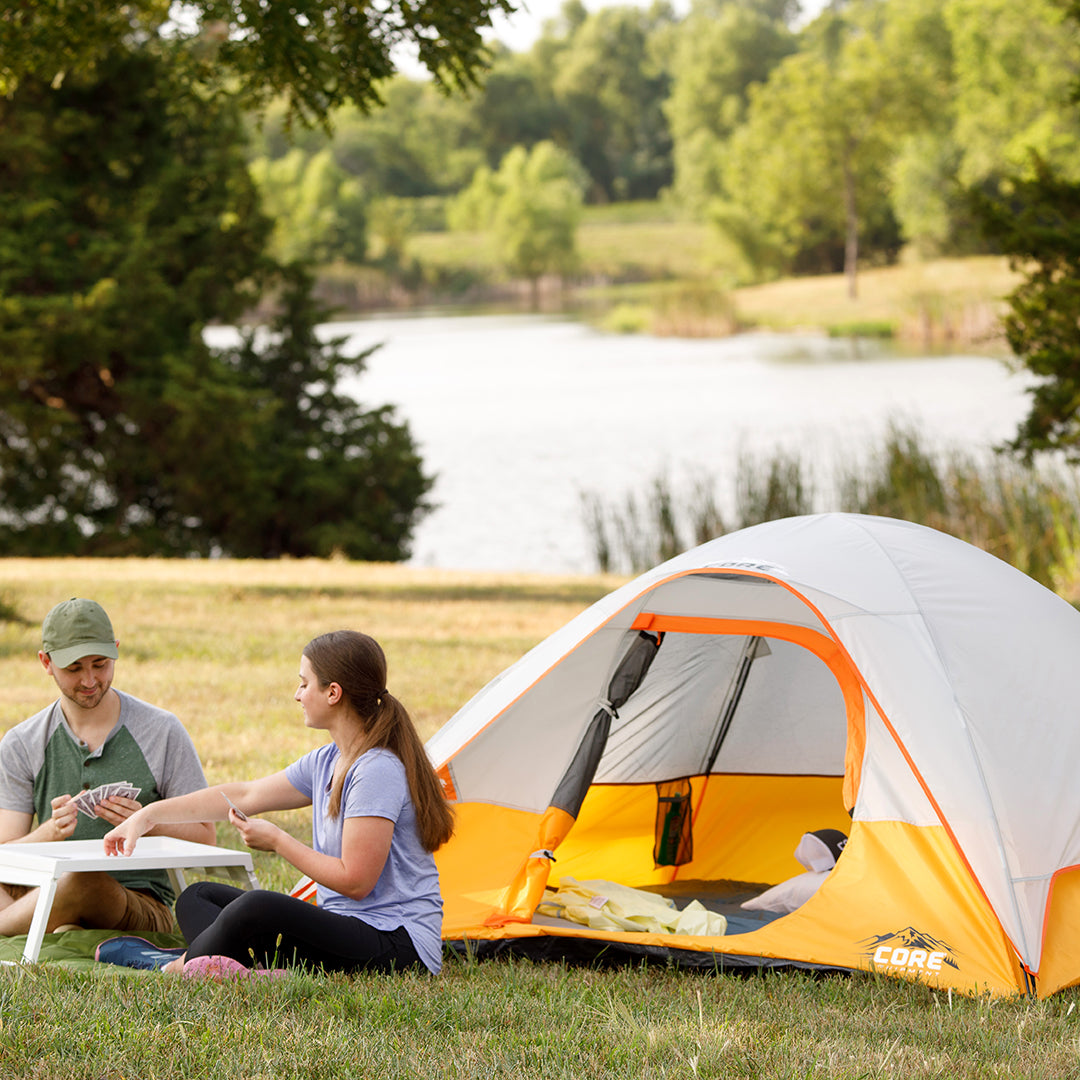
x,y
543,592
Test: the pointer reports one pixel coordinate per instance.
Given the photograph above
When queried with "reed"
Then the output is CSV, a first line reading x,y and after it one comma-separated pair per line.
x,y
1025,514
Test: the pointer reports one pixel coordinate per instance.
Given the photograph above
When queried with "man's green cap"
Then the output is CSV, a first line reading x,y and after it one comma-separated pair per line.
x,y
77,628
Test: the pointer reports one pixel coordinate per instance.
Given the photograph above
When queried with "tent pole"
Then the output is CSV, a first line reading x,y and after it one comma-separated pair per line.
x,y
731,701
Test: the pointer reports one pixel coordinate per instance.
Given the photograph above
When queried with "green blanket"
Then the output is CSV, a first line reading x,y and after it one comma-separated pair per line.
x,y
74,949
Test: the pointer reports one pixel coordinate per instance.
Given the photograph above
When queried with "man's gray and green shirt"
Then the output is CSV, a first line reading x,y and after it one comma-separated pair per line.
x,y
41,758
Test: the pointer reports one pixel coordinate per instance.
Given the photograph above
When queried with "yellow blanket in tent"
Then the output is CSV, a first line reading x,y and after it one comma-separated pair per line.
x,y
606,905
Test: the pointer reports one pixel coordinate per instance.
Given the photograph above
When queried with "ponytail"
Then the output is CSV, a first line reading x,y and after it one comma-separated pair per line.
x,y
357,664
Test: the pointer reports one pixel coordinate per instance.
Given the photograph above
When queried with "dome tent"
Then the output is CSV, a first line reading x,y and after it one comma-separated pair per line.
x,y
831,671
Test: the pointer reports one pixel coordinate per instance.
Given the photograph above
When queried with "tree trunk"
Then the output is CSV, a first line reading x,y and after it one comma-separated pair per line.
x,y
851,240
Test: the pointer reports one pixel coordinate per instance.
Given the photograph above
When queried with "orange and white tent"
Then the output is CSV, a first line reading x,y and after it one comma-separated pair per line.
x,y
831,671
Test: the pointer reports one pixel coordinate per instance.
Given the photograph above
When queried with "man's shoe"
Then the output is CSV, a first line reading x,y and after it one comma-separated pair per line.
x,y
135,952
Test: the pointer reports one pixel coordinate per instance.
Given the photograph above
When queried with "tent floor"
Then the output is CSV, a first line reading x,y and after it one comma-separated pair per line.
x,y
723,897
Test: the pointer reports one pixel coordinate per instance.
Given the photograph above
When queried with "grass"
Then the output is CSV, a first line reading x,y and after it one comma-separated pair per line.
x,y
609,249
514,1019
930,303
218,642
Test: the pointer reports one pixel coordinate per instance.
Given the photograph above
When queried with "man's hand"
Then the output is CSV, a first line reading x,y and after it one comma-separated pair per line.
x,y
65,816
116,809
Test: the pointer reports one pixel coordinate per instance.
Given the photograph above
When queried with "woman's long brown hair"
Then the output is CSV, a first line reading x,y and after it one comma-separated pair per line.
x,y
357,664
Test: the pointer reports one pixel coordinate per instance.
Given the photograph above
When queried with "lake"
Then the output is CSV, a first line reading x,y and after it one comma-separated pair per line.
x,y
518,415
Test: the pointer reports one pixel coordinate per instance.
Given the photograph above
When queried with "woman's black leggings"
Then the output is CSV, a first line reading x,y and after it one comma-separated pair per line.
x,y
271,929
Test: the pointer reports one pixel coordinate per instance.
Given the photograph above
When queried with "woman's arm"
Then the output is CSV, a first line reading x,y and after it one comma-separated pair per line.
x,y
272,792
365,845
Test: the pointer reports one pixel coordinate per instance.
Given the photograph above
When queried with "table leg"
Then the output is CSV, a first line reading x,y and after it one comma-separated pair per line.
x,y
46,893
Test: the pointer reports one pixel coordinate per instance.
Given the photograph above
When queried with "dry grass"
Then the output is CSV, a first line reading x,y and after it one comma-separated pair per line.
x,y
218,642
947,299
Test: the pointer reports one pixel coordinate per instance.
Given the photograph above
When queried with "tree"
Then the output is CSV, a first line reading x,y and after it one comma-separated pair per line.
x,y
531,206
319,212
1035,218
327,476
611,87
317,54
997,75
721,49
1037,224
1015,66
124,232
808,171
515,107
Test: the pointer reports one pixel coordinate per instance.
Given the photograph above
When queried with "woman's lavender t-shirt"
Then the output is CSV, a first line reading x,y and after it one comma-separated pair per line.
x,y
407,892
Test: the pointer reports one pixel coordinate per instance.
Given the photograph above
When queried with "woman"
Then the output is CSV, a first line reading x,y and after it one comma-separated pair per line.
x,y
378,814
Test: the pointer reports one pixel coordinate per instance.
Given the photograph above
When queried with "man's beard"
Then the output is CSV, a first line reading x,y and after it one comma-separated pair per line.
x,y
89,701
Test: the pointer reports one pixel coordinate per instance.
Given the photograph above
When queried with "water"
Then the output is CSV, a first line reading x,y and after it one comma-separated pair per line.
x,y
519,415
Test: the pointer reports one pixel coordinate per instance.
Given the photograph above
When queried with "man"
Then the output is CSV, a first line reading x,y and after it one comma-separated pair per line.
x,y
92,735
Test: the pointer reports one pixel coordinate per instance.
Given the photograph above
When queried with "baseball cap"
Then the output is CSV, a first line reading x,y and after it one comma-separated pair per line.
x,y
76,628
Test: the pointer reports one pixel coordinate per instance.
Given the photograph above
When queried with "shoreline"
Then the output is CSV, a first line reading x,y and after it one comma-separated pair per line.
x,y
945,303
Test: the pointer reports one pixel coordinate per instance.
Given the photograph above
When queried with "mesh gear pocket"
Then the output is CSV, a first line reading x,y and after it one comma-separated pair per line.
x,y
674,843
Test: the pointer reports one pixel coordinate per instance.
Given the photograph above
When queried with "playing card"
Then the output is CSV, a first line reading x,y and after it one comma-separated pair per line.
x,y
86,801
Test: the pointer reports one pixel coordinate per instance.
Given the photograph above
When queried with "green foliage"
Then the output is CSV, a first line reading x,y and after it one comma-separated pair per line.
x,y
1037,223
1015,67
319,212
531,207
124,232
611,88
1035,218
324,475
419,142
316,54
516,106
805,176
721,49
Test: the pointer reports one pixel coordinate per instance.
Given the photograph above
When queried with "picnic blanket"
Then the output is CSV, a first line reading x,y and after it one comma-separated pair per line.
x,y
74,949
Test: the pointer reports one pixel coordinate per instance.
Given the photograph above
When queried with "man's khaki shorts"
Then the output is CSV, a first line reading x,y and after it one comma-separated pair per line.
x,y
144,911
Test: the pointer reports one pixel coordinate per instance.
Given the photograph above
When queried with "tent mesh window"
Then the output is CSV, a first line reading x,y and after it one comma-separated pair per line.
x,y
674,844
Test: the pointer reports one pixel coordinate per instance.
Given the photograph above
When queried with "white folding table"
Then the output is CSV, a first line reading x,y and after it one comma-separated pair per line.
x,y
42,864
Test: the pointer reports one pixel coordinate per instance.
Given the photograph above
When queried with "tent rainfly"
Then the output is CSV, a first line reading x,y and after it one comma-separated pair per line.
x,y
833,671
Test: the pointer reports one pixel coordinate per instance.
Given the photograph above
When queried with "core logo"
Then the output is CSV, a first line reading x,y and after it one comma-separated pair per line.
x,y
753,564
909,951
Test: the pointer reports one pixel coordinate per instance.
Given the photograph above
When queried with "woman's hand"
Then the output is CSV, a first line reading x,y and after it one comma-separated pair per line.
x,y
122,839
256,833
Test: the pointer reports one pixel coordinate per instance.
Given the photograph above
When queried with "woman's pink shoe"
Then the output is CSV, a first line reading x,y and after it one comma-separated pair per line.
x,y
218,968
221,968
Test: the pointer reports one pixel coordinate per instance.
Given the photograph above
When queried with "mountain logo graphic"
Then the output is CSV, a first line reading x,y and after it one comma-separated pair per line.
x,y
908,950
